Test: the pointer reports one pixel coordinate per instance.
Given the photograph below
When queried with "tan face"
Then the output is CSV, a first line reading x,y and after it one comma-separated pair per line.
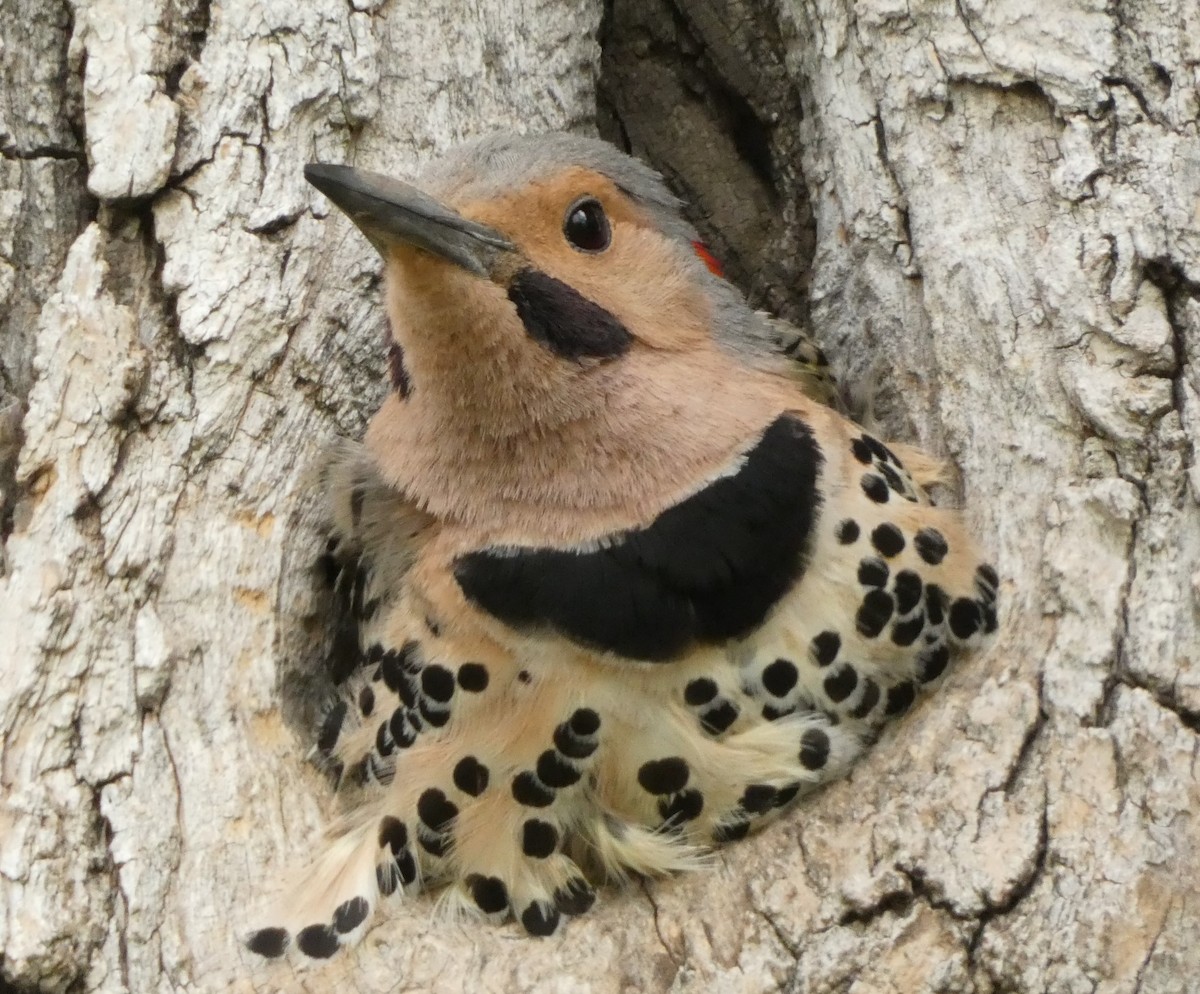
x,y
465,345
563,437
639,277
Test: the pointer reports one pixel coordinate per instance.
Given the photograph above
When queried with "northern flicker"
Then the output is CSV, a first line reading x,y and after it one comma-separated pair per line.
x,y
619,589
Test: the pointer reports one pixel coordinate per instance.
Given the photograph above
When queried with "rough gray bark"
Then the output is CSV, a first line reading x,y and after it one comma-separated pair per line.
x,y
987,210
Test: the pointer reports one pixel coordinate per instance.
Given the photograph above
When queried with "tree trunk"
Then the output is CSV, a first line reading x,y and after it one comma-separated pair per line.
x,y
987,209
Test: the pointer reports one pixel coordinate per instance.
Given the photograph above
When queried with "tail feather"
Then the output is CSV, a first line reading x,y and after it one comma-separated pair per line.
x,y
616,849
330,907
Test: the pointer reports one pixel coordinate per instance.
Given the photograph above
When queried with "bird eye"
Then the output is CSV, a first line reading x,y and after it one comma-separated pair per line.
x,y
586,226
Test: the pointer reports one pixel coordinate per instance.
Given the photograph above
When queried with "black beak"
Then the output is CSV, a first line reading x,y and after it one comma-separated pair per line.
x,y
389,211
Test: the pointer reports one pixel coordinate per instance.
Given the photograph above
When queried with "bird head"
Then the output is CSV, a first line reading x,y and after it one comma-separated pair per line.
x,y
560,339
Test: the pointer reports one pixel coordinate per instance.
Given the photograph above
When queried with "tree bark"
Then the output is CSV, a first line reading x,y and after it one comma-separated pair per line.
x,y
988,212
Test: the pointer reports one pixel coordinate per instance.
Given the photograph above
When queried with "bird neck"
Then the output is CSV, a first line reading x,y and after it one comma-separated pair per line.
x,y
616,465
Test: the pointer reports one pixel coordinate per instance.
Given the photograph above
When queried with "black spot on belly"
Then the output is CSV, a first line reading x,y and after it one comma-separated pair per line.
x,y
933,663
393,834
908,589
866,703
988,581
268,942
572,745
385,879
873,572
965,618
893,478
878,449
862,451
780,677
350,914
331,728
395,667
471,776
436,717
699,691
406,690
990,619
489,893
718,719
435,810
438,683
380,772
840,683
825,647
935,604
684,806
574,897
706,570
931,545
554,771
758,798
473,677
900,698
393,676
875,487
385,745
905,632
434,843
528,790
539,839
874,612
888,539
366,701
663,776
848,531
576,736
406,867
401,729
814,749
787,794
560,318
317,941
585,721
540,918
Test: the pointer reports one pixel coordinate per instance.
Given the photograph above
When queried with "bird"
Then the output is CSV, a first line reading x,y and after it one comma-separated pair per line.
x,y
620,582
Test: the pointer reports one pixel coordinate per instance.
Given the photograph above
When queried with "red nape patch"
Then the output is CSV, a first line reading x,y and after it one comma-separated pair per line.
x,y
710,260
